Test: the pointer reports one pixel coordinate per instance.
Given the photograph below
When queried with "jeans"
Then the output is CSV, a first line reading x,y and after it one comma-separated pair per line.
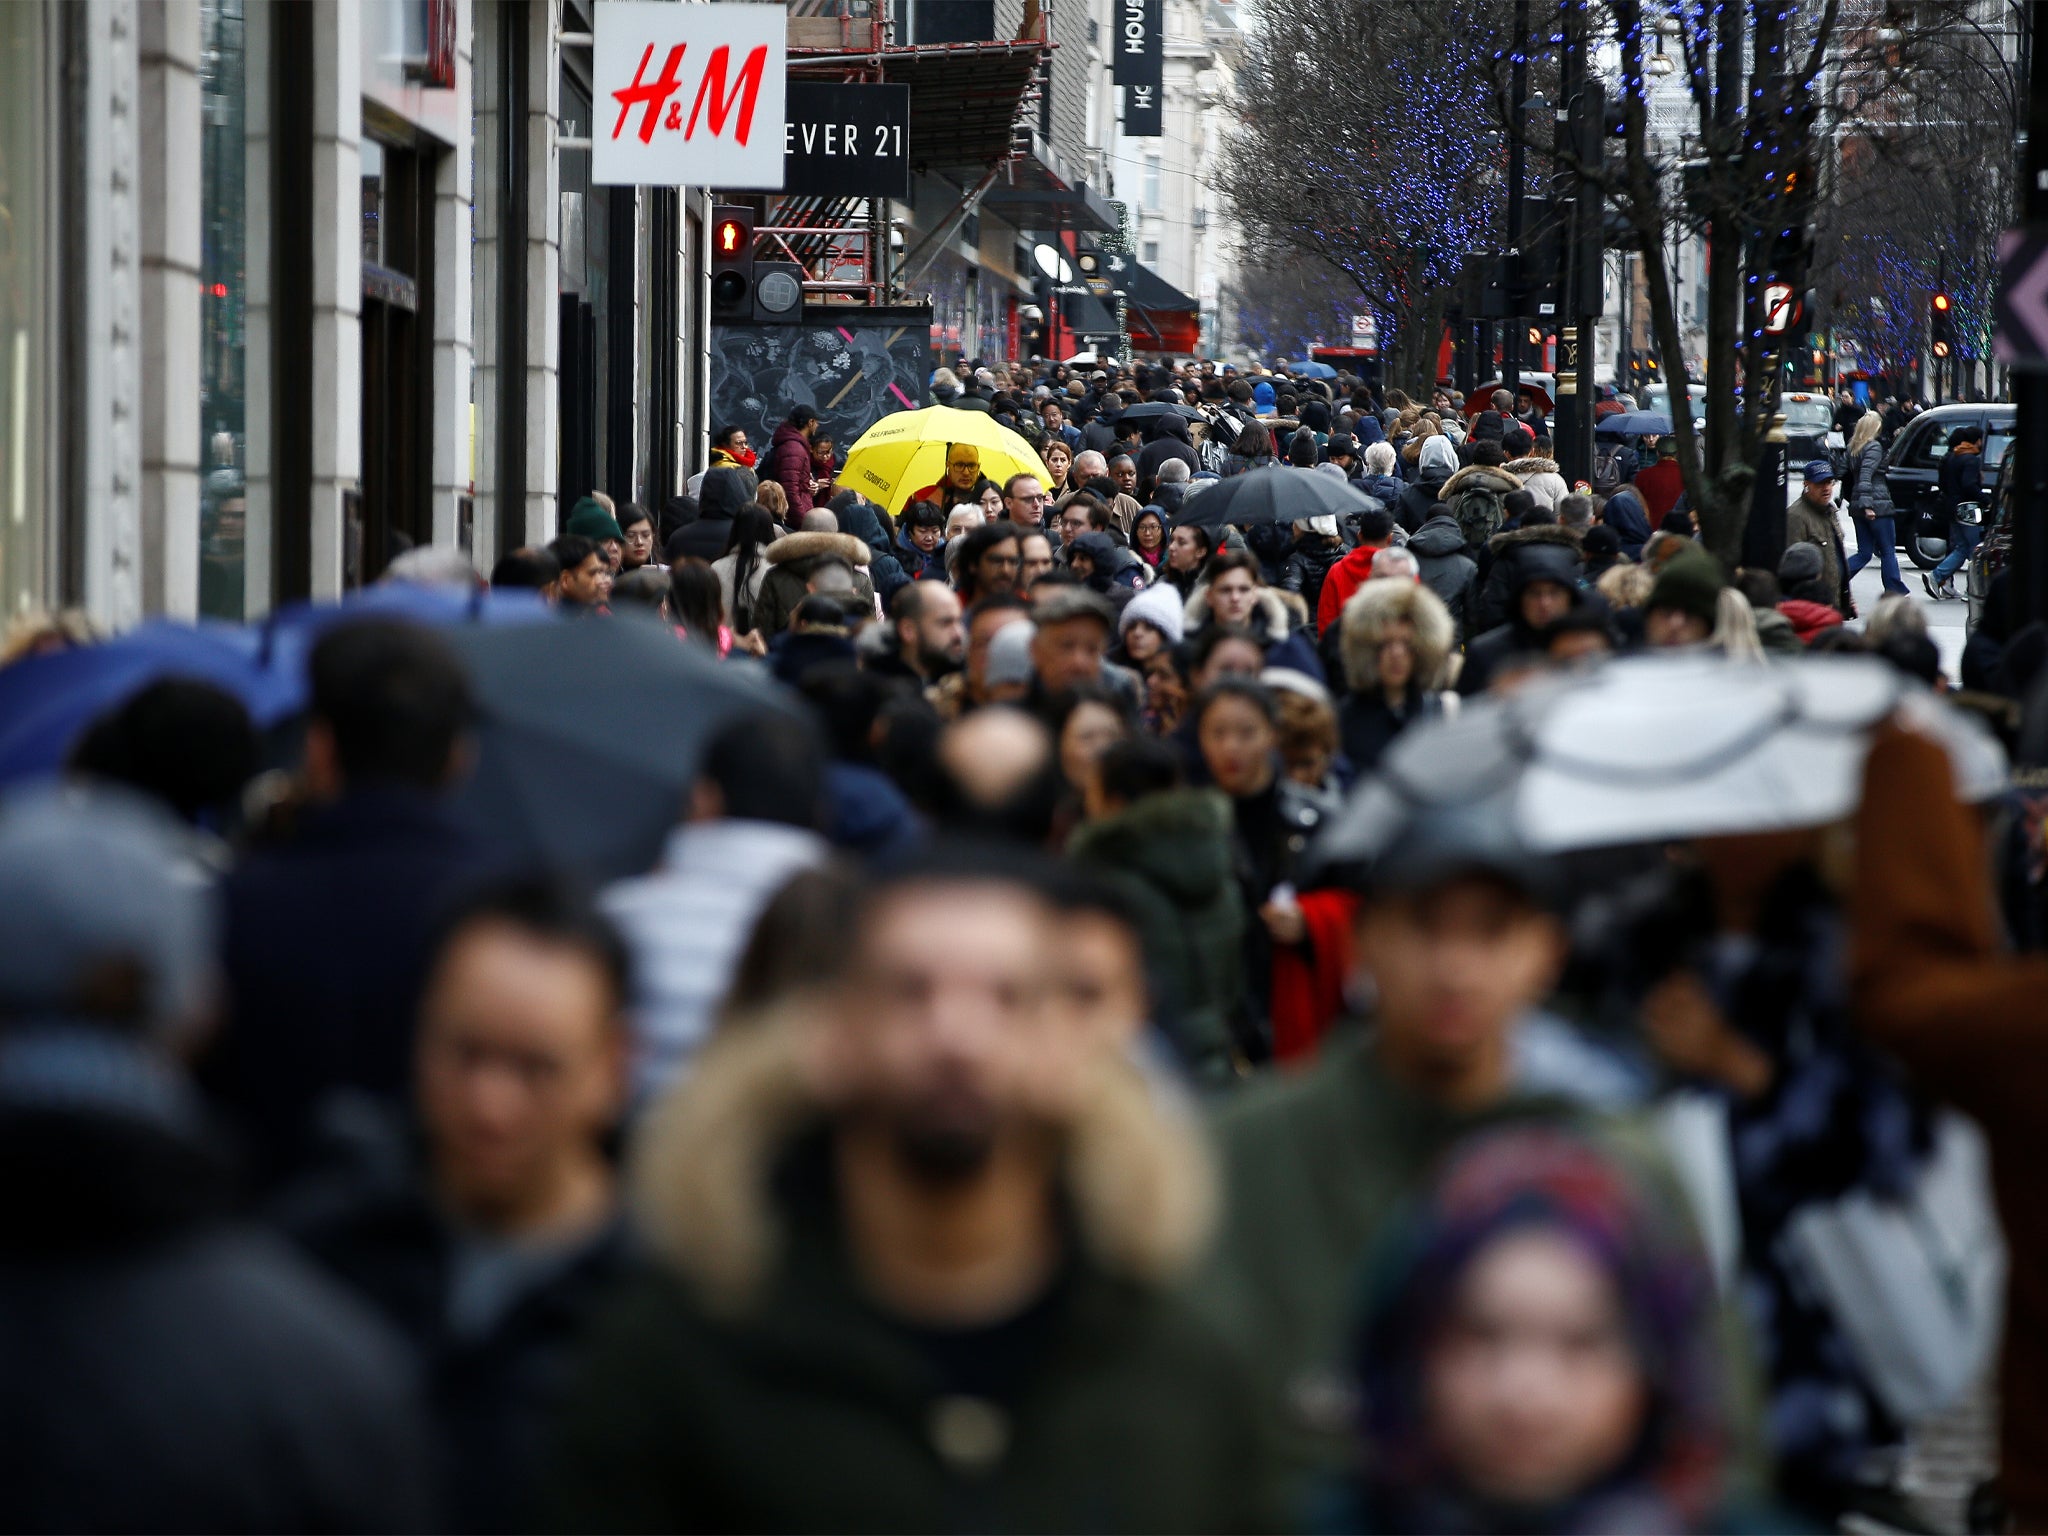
x,y
1874,542
1963,540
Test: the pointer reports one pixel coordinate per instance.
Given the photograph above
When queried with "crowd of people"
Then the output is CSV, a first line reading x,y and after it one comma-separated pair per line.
x,y
989,1108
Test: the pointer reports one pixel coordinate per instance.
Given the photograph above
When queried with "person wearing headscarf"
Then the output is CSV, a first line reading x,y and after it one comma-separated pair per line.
x,y
1540,1246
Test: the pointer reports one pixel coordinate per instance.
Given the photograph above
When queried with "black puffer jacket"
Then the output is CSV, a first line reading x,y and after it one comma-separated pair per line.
x,y
1308,563
1516,554
719,499
1439,549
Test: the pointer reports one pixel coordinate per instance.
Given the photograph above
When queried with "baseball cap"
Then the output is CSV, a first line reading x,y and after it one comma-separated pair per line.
x,y
1819,472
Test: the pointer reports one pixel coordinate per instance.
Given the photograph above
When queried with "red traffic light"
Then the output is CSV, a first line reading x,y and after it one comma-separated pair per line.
x,y
730,233
1941,303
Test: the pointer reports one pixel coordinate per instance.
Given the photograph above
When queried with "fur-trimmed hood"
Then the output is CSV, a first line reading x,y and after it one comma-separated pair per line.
x,y
1541,533
1523,468
1139,1178
812,546
1380,603
1272,612
1499,481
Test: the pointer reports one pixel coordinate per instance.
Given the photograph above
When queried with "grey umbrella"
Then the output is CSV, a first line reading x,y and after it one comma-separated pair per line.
x,y
590,732
1275,494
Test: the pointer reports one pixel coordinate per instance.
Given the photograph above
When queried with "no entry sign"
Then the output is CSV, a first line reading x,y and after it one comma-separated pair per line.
x,y
687,95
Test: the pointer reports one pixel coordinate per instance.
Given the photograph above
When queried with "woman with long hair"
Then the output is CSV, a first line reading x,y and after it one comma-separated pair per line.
x,y
695,605
1871,512
744,565
1252,450
636,549
1059,468
1148,538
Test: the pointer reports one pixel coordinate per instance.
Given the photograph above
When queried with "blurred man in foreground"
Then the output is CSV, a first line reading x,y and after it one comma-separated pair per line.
x,y
916,1248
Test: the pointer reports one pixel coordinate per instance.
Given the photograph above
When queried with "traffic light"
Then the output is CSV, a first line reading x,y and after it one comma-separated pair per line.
x,y
732,263
1941,324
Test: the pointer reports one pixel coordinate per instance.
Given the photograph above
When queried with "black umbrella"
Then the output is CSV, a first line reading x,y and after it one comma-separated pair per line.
x,y
1152,410
1275,494
589,734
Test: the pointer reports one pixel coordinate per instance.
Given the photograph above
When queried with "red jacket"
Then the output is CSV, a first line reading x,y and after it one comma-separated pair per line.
x,y
1345,578
789,465
1809,618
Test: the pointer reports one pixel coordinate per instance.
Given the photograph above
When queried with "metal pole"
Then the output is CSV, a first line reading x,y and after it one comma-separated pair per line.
x,y
2029,578
1518,91
1940,363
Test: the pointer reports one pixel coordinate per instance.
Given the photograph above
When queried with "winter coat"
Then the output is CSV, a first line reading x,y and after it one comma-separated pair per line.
x,y
1513,560
1806,523
1384,489
1344,578
918,565
686,924
1167,438
885,571
789,465
1314,1166
1308,567
1367,725
166,1368
1870,491
1411,508
1623,512
791,559
1439,550
1476,496
1532,562
739,606
1808,618
1273,622
751,1382
1659,486
1170,855
325,947
1367,618
1540,479
1935,983
719,499
494,1382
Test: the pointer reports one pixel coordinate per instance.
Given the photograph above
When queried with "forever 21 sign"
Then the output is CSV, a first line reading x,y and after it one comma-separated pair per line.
x,y
847,140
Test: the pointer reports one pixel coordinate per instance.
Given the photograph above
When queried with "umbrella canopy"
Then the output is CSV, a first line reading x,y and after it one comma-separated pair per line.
x,y
1274,494
1653,749
1312,370
1633,424
1152,410
903,453
46,702
589,734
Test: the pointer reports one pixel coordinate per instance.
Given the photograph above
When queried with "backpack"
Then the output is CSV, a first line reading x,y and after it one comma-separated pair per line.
x,y
1607,467
1478,508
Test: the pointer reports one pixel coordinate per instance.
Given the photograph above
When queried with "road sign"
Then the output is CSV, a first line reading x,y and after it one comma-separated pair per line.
x,y
2020,336
688,95
1779,308
1365,331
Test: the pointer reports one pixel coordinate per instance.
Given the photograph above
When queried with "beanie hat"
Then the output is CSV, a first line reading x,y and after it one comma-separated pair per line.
x,y
588,519
1799,564
1160,606
1690,582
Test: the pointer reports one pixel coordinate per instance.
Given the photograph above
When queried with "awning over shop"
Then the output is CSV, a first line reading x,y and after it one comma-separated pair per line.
x,y
1161,317
964,100
1149,291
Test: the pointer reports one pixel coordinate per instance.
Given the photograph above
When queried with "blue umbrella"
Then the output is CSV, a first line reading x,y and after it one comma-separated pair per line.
x,y
1633,424
46,702
1313,370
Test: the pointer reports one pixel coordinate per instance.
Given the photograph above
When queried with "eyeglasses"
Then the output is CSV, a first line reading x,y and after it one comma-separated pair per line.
x,y
1029,501
963,464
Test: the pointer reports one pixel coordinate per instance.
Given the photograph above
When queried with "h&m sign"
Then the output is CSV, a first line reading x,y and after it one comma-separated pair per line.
x,y
687,95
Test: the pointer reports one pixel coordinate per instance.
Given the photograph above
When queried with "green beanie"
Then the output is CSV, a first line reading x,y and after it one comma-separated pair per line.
x,y
588,519
1691,582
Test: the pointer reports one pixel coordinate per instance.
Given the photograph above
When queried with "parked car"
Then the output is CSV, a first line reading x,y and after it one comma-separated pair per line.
x,y
1810,430
1911,468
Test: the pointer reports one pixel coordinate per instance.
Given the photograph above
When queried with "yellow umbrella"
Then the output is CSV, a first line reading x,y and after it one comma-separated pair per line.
x,y
902,454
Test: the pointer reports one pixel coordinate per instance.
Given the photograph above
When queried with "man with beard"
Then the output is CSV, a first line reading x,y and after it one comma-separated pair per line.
x,y
915,1251
924,623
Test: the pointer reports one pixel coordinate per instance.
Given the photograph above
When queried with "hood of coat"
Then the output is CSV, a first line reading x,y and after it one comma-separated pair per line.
x,y
722,494
1436,538
1380,604
1179,840
813,546
1483,477
1271,621
1542,533
785,433
1172,424
1524,468
1807,617
1137,1173
858,518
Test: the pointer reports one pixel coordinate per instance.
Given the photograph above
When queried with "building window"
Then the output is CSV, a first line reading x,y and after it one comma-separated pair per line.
x,y
1151,193
223,306
1149,253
